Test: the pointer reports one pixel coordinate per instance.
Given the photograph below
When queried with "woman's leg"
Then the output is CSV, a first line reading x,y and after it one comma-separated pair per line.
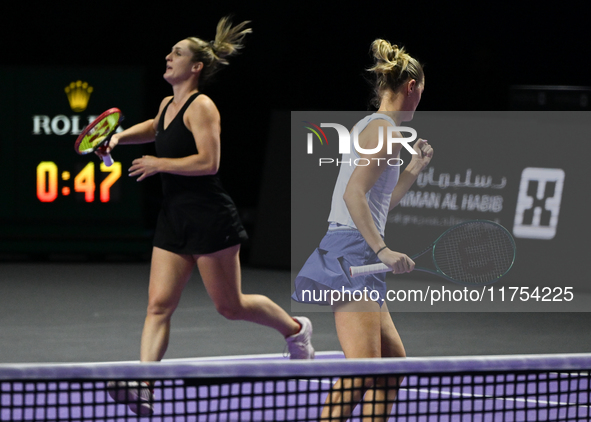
x,y
221,276
392,346
380,399
358,330
365,331
168,276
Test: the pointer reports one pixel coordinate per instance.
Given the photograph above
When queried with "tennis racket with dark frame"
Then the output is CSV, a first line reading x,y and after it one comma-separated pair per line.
x,y
473,253
96,135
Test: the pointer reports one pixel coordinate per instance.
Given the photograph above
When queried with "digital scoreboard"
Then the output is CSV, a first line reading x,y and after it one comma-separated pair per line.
x,y
52,199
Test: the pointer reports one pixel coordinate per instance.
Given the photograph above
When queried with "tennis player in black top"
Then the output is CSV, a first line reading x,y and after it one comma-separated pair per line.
x,y
198,223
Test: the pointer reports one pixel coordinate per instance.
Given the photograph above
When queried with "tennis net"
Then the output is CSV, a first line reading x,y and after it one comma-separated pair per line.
x,y
485,388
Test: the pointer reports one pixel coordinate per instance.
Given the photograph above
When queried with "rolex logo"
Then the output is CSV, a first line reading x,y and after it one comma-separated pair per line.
x,y
78,95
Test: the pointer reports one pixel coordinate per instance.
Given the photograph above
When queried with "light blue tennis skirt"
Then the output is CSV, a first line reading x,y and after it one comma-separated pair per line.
x,y
327,269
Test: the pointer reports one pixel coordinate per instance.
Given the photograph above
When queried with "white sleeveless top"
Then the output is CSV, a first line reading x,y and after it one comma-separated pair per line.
x,y
378,197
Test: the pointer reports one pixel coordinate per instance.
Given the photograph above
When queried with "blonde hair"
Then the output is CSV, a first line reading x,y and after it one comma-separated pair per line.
x,y
392,67
227,42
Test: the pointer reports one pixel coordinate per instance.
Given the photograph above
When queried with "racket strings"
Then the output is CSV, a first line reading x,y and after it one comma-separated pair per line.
x,y
97,132
475,253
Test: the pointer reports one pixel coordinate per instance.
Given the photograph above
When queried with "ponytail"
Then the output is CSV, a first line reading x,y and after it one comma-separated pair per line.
x,y
227,42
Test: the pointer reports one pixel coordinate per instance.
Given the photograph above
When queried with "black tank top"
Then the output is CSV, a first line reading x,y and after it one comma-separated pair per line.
x,y
197,215
176,141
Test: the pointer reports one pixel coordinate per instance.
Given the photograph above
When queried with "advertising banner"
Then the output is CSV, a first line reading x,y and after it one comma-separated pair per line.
x,y
524,170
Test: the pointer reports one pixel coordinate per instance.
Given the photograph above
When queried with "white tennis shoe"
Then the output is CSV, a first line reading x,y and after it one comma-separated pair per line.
x,y
300,344
138,396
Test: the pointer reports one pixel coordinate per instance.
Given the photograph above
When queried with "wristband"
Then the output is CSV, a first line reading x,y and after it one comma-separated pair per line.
x,y
380,250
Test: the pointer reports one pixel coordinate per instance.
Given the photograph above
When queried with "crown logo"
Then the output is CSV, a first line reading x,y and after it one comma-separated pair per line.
x,y
78,95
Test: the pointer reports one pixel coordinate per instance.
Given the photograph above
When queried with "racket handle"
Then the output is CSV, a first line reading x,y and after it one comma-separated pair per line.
x,y
369,269
108,160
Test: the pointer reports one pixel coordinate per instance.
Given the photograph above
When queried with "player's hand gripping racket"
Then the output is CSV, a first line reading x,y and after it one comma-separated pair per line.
x,y
477,252
98,134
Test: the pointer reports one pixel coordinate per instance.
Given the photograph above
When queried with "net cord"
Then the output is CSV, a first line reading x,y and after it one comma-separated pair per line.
x,y
287,368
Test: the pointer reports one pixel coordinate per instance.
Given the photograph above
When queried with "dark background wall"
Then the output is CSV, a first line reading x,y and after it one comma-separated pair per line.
x,y
308,56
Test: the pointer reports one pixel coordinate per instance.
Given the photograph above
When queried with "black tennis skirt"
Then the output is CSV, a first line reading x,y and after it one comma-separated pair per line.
x,y
194,226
